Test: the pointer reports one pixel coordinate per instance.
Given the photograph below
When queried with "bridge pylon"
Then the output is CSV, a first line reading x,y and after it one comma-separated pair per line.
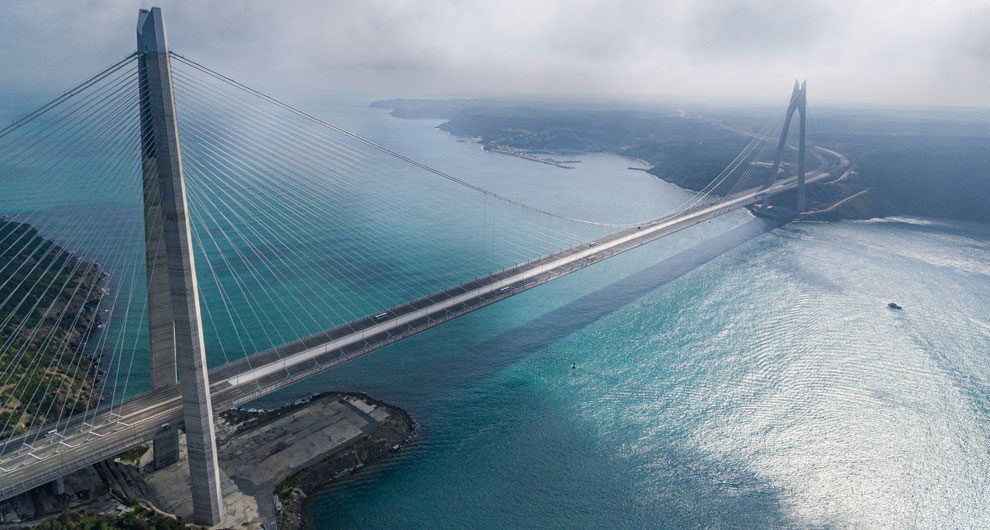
x,y
175,326
799,103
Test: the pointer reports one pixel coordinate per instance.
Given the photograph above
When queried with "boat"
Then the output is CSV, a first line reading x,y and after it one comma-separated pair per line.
x,y
893,305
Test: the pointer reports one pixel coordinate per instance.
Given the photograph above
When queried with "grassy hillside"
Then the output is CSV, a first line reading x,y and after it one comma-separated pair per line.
x,y
49,300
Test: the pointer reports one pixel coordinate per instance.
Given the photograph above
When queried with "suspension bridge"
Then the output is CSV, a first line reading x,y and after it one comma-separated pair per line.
x,y
162,218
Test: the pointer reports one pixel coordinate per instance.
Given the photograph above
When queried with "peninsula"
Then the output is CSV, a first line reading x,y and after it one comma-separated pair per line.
x,y
897,158
271,461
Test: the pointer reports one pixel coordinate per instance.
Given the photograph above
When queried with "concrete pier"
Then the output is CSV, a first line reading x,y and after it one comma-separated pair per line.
x,y
258,450
173,310
58,486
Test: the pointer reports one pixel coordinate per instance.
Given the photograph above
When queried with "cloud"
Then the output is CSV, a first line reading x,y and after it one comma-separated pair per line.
x,y
885,51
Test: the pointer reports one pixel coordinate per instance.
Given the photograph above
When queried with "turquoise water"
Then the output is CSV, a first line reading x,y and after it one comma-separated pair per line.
x,y
768,386
729,375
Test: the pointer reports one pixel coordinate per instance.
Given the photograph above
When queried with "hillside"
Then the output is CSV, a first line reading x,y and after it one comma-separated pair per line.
x,y
43,329
919,162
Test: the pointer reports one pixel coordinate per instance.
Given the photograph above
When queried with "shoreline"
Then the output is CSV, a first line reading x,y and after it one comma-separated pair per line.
x,y
79,324
296,491
528,155
837,199
646,169
274,459
270,462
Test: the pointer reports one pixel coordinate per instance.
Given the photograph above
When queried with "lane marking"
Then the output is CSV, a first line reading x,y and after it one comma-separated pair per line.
x,y
347,340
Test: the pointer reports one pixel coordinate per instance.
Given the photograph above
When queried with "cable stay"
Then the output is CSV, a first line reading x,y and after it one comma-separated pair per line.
x,y
302,231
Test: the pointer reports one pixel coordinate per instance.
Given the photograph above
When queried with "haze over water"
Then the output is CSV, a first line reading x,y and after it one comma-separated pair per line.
x,y
771,385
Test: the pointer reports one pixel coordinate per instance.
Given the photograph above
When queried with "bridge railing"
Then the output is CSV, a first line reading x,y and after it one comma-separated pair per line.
x,y
68,461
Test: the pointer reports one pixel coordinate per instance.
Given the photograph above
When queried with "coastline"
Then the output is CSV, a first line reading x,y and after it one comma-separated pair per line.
x,y
647,168
271,462
668,157
78,321
295,491
529,155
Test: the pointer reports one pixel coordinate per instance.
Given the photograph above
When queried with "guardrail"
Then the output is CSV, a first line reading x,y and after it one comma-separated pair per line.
x,y
227,396
135,435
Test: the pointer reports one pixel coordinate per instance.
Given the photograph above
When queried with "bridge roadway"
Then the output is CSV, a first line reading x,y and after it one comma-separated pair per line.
x,y
101,434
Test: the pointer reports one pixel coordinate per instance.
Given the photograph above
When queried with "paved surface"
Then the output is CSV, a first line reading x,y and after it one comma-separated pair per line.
x,y
172,494
253,462
261,458
104,434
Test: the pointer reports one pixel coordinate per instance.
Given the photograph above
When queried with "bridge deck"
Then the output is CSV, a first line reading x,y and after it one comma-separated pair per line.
x,y
101,434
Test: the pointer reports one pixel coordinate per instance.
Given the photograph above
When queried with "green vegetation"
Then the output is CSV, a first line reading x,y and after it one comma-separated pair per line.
x,y
573,130
690,165
49,302
682,150
927,162
139,518
685,151
921,162
133,455
931,178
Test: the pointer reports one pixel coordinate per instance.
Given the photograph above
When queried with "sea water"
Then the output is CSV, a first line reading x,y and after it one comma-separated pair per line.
x,y
730,375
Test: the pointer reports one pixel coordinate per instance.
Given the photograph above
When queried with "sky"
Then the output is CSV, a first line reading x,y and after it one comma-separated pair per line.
x,y
933,52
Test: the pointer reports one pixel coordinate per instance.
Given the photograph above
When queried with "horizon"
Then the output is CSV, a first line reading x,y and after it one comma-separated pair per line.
x,y
495,265
14,108
712,53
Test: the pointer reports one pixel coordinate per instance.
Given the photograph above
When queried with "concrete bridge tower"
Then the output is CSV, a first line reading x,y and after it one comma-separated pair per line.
x,y
799,103
176,336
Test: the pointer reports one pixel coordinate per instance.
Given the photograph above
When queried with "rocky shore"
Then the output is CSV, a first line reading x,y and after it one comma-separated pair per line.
x,y
271,461
395,429
102,488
